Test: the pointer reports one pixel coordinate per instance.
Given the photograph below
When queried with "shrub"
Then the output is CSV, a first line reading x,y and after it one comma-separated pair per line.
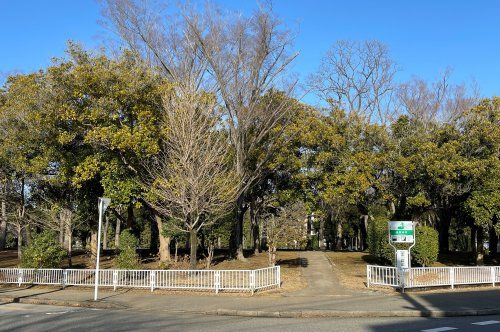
x,y
425,252
378,241
127,258
43,252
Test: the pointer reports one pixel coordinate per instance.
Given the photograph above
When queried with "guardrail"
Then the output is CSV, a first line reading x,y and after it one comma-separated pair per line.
x,y
216,280
431,276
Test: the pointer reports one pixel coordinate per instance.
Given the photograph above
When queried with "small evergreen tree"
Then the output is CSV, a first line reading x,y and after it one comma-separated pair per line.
x,y
426,247
127,258
43,252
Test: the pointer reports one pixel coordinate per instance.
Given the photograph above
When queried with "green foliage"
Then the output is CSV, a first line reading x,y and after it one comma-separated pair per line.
x,y
43,252
378,240
127,258
426,249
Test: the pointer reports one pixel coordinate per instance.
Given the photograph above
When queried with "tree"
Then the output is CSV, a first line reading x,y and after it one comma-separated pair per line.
x,y
191,178
239,59
436,101
287,228
357,77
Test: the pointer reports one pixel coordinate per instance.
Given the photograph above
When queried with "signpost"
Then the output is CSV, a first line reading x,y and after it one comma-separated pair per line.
x,y
402,232
103,205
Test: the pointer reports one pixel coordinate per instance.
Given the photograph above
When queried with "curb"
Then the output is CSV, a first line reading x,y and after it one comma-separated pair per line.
x,y
353,314
64,303
268,314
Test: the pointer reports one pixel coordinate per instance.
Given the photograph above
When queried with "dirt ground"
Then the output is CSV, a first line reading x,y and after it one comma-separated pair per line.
x,y
351,267
289,261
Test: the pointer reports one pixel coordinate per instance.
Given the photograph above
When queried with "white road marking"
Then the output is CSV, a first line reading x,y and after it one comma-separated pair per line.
x,y
487,322
56,313
440,329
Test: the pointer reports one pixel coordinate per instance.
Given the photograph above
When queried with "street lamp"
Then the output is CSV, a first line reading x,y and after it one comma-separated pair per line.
x,y
103,203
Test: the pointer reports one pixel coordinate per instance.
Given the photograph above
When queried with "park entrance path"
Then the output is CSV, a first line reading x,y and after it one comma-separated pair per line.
x,y
320,276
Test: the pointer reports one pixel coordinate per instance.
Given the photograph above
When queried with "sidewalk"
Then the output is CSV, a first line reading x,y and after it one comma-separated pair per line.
x,y
363,304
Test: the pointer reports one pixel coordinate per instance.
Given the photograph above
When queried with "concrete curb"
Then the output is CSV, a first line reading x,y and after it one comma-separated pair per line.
x,y
268,314
65,303
353,314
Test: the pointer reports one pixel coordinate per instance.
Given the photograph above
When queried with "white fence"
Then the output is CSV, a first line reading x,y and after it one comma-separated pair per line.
x,y
432,276
216,280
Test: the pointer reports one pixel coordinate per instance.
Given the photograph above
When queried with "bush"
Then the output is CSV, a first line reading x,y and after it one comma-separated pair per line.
x,y
127,258
378,241
43,252
425,252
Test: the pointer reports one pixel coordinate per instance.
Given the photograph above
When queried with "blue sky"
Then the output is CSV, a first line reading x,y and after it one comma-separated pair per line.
x,y
425,37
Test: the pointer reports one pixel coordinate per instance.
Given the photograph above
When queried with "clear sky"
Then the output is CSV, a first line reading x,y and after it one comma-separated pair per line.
x,y
424,36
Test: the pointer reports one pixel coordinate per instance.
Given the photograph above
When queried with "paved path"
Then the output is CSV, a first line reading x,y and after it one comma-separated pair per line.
x,y
320,276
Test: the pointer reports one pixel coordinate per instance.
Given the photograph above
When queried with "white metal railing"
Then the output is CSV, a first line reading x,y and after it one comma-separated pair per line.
x,y
216,280
432,276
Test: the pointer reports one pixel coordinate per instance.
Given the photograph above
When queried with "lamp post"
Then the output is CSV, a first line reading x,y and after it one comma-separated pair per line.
x,y
103,203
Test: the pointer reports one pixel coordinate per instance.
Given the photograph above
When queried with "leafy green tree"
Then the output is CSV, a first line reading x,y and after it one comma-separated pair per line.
x,y
127,258
43,252
426,249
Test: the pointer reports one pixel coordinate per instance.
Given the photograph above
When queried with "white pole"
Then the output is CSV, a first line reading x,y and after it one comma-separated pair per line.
x,y
101,203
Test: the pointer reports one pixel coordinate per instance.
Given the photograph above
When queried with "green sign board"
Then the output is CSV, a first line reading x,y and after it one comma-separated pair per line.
x,y
401,232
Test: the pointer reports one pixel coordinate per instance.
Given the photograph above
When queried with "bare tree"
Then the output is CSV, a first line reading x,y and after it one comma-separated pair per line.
x,y
357,77
287,228
237,58
437,101
191,179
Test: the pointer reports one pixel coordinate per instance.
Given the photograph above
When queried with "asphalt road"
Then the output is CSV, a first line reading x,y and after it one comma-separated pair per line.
x,y
25,317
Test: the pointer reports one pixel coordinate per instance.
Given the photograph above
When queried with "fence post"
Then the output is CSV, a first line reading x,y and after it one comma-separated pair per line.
x,y
217,281
65,278
368,276
452,277
115,279
493,276
252,281
20,277
401,277
279,276
152,280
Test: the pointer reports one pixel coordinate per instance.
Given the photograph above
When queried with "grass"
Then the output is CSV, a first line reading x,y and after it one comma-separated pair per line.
x,y
351,267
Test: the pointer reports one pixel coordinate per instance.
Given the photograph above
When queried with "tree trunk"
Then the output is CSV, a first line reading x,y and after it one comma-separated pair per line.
x,y
61,227
444,233
3,224
193,243
69,236
105,233
68,230
338,237
211,247
254,222
364,232
19,242
473,240
237,239
164,241
321,234
176,250
154,236
272,255
480,246
93,248
117,233
130,216
493,241
27,233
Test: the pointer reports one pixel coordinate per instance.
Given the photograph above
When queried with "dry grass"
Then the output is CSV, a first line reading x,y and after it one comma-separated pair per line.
x,y
351,268
289,261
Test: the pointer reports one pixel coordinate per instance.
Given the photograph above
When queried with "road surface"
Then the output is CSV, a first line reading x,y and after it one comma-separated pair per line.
x,y
26,317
